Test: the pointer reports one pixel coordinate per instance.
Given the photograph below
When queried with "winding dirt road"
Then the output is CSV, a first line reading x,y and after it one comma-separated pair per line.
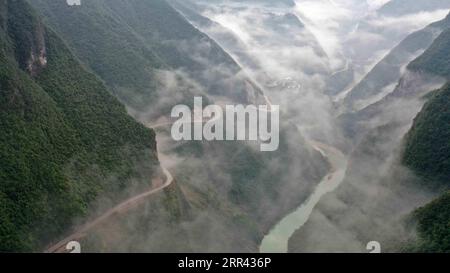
x,y
119,209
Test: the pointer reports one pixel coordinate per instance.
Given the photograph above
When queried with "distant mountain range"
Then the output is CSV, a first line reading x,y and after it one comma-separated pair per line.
x,y
403,7
381,80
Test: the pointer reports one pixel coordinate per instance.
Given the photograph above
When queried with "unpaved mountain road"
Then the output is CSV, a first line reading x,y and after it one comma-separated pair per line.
x,y
121,208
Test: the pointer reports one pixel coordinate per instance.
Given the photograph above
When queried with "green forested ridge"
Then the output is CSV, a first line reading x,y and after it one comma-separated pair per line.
x,y
64,139
127,42
434,226
435,59
427,149
108,47
427,152
124,43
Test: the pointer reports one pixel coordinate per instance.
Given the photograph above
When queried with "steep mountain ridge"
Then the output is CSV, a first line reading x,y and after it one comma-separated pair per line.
x,y
382,78
387,181
65,140
224,185
427,152
426,148
434,60
432,225
132,44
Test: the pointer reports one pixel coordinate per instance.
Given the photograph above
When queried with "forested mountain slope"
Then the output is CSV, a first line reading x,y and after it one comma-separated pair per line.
x,y
151,58
129,43
433,226
435,60
64,139
427,151
427,148
424,150
379,194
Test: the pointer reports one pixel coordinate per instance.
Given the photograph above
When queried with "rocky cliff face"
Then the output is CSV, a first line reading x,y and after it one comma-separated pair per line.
x,y
37,59
28,37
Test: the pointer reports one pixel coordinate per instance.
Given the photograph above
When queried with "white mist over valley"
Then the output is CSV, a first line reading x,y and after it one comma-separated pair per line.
x,y
91,94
